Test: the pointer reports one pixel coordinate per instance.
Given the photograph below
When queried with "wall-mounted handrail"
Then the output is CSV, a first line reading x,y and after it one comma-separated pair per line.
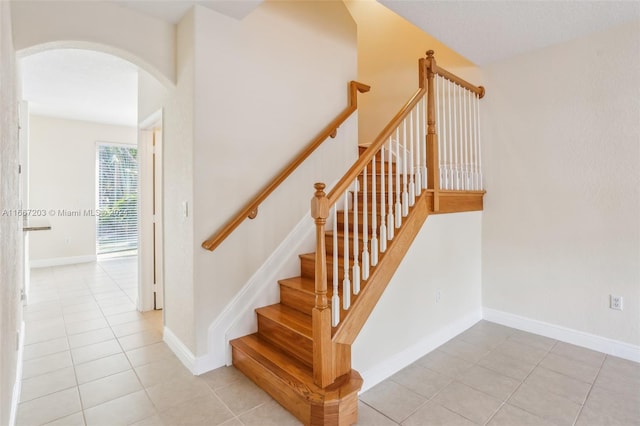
x,y
250,209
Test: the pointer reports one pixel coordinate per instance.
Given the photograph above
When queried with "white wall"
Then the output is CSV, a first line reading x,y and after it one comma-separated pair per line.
x,y
62,176
408,322
561,226
145,41
265,87
11,252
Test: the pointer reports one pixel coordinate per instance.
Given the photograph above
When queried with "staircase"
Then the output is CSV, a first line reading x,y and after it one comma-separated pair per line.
x,y
301,353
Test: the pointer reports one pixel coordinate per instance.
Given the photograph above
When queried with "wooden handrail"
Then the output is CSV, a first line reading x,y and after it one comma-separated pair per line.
x,y
250,209
479,90
365,157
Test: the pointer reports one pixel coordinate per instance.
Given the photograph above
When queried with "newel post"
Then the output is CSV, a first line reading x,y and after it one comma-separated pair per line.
x,y
321,315
433,166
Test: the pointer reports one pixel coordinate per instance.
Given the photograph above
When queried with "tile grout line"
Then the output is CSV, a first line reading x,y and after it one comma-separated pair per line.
x,y
590,389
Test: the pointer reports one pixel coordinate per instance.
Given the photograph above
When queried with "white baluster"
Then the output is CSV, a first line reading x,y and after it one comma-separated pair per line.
x,y
456,139
423,141
476,184
407,167
418,174
383,210
479,145
464,124
390,221
346,282
374,218
356,243
365,226
335,299
451,156
410,198
398,212
442,130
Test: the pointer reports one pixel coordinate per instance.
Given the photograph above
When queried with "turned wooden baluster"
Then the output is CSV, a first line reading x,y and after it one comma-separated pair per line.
x,y
433,168
321,315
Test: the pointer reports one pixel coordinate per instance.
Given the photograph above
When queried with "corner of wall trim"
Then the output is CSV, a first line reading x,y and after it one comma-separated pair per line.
x,y
179,349
564,334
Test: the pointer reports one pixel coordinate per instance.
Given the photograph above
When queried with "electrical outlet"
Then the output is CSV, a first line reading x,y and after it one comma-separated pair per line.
x,y
438,296
615,302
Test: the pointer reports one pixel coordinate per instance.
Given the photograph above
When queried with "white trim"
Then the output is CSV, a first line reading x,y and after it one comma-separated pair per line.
x,y
180,349
408,356
17,386
57,261
238,318
564,334
152,120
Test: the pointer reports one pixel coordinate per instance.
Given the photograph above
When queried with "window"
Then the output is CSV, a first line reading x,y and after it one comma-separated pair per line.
x,y
117,200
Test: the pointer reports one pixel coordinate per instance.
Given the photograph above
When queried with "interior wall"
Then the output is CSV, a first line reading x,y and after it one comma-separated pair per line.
x,y
11,252
388,51
266,87
561,229
62,178
145,41
409,320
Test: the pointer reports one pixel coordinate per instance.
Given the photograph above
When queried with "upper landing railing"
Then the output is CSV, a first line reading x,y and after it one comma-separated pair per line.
x,y
250,210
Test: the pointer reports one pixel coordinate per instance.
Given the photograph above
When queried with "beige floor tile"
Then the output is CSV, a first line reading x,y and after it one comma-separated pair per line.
x,y
508,366
44,333
48,408
170,394
564,386
464,350
269,414
150,353
48,347
579,354
125,317
48,383
76,301
607,407
421,380
619,375
242,396
393,400
367,416
570,367
489,382
222,376
97,350
121,411
516,350
207,410
46,364
108,388
549,406
102,367
493,328
161,371
127,328
232,422
84,326
482,339
432,414
534,340
90,337
80,307
52,313
443,363
83,315
121,308
154,420
75,419
468,402
138,340
509,415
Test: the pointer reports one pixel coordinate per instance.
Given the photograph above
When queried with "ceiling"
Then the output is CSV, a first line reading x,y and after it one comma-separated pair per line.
x,y
81,85
490,31
93,86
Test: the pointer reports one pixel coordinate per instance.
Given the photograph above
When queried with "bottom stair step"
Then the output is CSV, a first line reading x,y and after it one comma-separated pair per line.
x,y
290,382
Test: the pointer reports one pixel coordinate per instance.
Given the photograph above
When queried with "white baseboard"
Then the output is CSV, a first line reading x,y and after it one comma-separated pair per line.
x,y
17,386
58,261
182,352
238,318
408,356
564,334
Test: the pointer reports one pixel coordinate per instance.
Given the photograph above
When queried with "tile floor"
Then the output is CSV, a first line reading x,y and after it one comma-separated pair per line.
x,y
91,359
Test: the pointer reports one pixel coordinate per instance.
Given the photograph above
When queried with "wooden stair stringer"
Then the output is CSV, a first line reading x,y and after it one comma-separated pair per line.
x,y
355,318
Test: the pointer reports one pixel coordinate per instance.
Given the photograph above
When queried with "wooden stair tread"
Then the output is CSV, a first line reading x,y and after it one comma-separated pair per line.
x,y
303,284
288,317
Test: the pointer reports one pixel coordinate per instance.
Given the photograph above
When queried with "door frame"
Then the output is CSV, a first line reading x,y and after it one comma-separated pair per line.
x,y
151,241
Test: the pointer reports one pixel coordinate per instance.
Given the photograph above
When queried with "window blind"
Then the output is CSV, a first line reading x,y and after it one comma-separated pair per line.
x,y
117,198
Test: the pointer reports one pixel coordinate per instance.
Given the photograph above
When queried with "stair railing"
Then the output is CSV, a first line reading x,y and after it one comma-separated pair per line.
x,y
400,166
250,210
